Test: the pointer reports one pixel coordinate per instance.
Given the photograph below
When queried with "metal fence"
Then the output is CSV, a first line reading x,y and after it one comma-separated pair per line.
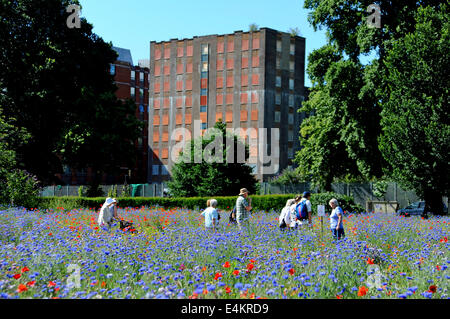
x,y
136,190
361,192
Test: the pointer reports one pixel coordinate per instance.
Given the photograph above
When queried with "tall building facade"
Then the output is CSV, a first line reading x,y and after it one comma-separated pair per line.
x,y
253,81
133,83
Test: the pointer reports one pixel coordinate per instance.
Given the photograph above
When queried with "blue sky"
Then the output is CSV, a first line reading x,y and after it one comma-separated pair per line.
x,y
133,24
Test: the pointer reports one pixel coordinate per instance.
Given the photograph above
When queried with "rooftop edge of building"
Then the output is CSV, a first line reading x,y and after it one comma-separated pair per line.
x,y
212,35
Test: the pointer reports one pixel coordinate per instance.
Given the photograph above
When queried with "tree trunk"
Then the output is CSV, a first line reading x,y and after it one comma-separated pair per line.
x,y
433,203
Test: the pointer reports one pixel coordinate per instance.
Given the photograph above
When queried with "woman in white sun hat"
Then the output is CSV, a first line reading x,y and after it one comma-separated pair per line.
x,y
108,212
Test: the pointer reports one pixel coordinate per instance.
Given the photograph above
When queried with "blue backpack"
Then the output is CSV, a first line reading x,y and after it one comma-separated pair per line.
x,y
301,210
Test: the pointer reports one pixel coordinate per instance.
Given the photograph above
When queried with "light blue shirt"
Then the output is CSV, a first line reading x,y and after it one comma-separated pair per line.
x,y
210,213
334,218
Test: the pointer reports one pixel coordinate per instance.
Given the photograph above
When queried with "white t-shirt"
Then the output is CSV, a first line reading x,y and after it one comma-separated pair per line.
x,y
210,213
106,215
285,215
292,214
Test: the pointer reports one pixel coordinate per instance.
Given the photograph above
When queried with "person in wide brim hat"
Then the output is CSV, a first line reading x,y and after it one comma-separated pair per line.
x,y
243,191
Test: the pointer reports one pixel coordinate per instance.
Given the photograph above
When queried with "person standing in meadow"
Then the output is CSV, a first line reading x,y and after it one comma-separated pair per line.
x,y
293,212
243,208
108,212
336,218
285,216
211,216
304,210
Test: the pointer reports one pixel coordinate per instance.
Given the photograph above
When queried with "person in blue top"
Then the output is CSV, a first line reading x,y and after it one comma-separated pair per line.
x,y
211,216
336,217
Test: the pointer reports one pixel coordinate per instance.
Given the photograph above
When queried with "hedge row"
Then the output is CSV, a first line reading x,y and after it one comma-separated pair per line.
x,y
259,202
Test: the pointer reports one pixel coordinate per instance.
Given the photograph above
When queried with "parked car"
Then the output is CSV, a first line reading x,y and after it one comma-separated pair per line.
x,y
416,209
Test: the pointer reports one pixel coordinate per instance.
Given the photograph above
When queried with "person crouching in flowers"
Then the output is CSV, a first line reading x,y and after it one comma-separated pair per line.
x,y
285,217
211,216
336,218
108,212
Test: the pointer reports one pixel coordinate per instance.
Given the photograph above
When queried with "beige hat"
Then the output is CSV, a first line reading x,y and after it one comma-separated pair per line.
x,y
243,191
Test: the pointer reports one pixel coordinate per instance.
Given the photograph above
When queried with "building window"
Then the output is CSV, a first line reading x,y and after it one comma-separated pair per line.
x,y
290,135
112,69
133,75
204,66
291,84
132,92
292,49
155,169
278,45
204,75
141,78
291,118
205,49
278,62
278,98
164,170
277,116
292,66
278,81
290,152
204,92
204,126
291,100
203,108
141,95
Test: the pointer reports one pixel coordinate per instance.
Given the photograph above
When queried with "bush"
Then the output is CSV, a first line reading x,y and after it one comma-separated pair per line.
x,y
259,202
21,189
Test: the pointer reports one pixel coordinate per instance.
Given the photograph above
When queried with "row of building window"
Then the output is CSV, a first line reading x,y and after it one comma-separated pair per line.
x,y
220,48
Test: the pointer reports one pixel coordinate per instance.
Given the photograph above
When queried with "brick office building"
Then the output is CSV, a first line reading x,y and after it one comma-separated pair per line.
x,y
249,80
132,83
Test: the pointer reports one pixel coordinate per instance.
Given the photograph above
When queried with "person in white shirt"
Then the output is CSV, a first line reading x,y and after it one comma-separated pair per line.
x,y
284,219
293,212
211,216
108,212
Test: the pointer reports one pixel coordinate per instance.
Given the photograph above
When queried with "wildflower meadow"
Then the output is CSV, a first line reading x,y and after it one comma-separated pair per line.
x,y
65,254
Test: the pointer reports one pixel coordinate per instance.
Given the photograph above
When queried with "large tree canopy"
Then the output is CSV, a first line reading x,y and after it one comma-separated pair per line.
x,y
415,117
60,90
215,173
341,136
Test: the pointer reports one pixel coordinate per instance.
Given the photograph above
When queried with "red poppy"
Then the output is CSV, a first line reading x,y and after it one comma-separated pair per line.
x,y
31,283
228,290
51,284
362,291
21,288
438,267
17,276
338,296
444,240
50,234
236,272
252,260
24,269
217,276
292,271
226,265
250,267
369,261
432,289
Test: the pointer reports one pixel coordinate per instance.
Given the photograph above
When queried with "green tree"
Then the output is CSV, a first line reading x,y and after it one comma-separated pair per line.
x,y
340,138
415,117
217,176
59,88
288,176
17,187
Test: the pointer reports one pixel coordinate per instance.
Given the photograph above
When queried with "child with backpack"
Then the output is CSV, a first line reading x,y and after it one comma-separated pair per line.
x,y
303,210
